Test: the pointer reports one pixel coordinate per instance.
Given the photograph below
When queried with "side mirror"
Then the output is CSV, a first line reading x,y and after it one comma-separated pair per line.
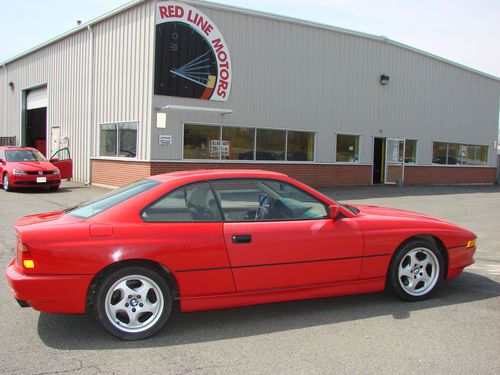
x,y
1,160
333,210
54,159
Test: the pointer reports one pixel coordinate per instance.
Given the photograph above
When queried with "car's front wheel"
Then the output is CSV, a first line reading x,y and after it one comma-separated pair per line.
x,y
416,270
6,182
133,303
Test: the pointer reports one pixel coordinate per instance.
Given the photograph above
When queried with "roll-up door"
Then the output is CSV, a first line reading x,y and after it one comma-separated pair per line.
x,y
36,98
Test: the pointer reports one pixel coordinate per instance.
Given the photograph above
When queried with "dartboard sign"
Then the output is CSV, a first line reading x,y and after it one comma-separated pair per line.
x,y
191,57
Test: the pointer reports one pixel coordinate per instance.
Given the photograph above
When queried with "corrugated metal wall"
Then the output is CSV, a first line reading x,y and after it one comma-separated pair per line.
x,y
121,85
288,75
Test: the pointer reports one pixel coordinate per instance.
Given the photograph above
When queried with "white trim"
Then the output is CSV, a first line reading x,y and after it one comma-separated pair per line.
x,y
222,111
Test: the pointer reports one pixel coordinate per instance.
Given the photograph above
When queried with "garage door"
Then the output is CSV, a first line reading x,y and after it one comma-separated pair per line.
x,y
36,98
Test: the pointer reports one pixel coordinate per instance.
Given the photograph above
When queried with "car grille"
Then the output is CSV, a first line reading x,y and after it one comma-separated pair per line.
x,y
38,174
33,183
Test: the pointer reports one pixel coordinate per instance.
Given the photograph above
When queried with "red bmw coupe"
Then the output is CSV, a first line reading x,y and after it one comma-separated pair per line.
x,y
212,239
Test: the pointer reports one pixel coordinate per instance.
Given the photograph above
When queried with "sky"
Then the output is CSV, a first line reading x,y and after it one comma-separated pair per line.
x,y
466,32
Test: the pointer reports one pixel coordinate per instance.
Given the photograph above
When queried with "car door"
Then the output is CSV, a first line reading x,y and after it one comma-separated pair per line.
x,y
289,242
62,160
3,162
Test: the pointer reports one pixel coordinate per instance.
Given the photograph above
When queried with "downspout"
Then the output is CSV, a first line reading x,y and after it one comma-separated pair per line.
x,y
90,100
6,93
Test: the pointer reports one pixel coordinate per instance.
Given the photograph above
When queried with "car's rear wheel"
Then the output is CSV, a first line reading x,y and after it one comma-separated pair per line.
x,y
6,182
133,303
416,270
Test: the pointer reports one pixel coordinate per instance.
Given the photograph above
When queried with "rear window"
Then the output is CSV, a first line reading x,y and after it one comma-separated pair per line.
x,y
88,209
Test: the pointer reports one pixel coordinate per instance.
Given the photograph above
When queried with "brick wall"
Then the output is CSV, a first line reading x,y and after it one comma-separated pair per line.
x,y
449,175
118,173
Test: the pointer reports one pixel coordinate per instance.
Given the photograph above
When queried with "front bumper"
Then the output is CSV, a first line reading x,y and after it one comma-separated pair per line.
x,y
459,258
49,293
31,180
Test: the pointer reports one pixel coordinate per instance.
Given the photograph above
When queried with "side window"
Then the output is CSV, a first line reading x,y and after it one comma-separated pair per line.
x,y
62,154
193,202
266,200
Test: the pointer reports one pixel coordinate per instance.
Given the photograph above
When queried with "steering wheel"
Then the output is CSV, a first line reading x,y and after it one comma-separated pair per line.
x,y
264,207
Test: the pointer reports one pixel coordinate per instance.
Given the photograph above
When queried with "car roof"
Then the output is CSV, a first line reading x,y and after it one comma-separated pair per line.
x,y
216,174
15,148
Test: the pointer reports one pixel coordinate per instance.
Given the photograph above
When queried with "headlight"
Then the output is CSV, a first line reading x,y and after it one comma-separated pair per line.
x,y
55,171
18,172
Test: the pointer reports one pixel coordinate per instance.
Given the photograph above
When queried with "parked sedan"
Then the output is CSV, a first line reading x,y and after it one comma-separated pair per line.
x,y
24,167
226,238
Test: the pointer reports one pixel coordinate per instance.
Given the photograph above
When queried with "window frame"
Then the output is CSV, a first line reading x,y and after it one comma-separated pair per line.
x,y
476,147
117,123
325,204
416,152
221,215
254,160
358,162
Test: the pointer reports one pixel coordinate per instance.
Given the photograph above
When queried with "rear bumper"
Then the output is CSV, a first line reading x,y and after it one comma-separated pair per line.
x,y
458,259
49,293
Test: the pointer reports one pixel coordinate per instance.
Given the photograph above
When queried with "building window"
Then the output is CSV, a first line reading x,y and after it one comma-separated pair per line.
x,y
347,148
459,154
239,143
411,151
118,140
270,144
201,142
300,146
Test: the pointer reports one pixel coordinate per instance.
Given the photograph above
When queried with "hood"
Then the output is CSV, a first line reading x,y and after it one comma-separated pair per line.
x,y
383,212
32,166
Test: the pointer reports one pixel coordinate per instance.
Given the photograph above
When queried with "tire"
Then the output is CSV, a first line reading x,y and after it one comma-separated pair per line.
x,y
6,182
54,188
133,303
416,270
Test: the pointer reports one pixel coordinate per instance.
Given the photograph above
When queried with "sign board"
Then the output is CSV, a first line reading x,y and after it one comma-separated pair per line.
x,y
165,140
191,56
161,120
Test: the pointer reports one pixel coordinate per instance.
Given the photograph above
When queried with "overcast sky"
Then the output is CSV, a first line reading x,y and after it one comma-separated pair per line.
x,y
467,32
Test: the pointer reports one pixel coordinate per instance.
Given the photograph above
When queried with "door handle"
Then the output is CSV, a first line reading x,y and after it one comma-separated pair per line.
x,y
241,238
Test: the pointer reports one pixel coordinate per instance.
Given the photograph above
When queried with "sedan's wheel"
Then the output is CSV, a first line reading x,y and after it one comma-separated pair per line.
x,y
6,182
416,270
133,303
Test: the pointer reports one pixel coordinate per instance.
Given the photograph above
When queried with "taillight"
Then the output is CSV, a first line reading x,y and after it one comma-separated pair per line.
x,y
24,258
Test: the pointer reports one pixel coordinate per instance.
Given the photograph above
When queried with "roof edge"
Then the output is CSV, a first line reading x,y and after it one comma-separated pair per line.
x,y
324,26
267,15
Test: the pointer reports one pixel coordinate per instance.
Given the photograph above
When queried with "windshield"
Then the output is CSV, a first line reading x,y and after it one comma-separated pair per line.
x,y
108,200
24,155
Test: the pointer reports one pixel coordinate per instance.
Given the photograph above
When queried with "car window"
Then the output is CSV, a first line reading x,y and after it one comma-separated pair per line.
x,y
193,202
24,155
62,154
2,157
264,200
114,197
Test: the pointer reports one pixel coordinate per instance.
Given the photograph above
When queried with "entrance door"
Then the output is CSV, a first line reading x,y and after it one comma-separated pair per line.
x,y
394,157
378,160
55,139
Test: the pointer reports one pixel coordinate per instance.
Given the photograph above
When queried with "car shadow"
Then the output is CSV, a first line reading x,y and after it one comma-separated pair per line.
x,y
82,332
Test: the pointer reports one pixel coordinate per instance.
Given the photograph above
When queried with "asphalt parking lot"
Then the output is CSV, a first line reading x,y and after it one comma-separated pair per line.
x,y
455,332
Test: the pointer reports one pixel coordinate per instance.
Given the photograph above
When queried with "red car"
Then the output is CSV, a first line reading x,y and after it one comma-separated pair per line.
x,y
22,167
223,238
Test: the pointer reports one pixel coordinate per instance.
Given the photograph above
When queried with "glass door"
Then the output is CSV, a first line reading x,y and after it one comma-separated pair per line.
x,y
394,161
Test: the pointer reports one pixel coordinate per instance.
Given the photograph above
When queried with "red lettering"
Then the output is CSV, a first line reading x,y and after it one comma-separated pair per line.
x,y
221,90
224,65
222,55
190,16
217,45
208,29
224,74
171,11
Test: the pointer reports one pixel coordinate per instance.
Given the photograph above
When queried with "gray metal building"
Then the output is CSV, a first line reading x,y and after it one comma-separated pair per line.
x,y
161,86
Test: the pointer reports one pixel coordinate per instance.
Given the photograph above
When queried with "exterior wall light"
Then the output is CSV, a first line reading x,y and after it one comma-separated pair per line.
x,y
384,80
11,86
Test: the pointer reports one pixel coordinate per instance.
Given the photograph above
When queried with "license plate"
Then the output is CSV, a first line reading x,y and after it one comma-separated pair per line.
x,y
41,179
